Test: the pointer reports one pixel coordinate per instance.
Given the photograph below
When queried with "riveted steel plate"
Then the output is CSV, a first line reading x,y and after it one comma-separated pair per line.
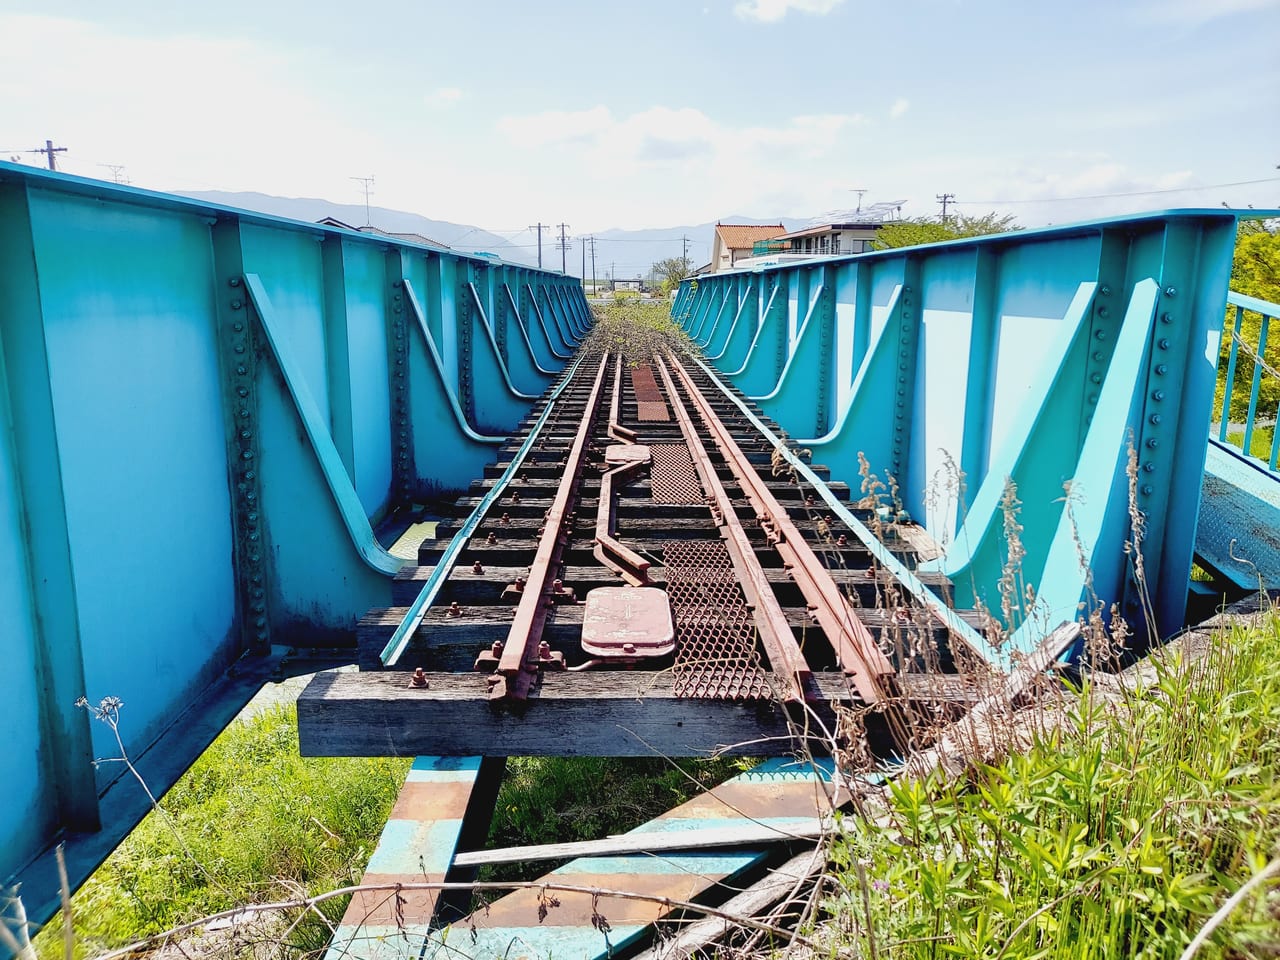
x,y
716,654
627,623
672,478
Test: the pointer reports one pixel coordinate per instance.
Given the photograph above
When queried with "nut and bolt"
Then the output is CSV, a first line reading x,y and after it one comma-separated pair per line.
x,y
419,679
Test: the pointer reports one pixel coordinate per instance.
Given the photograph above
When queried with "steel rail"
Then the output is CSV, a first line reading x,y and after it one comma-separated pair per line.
x,y
413,617
785,656
518,663
609,550
955,625
860,657
616,429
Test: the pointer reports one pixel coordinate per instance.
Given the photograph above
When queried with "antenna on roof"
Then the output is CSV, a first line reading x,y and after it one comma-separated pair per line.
x,y
859,191
368,189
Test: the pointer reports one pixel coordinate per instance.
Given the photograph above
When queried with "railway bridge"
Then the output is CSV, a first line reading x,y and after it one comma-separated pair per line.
x,y
239,446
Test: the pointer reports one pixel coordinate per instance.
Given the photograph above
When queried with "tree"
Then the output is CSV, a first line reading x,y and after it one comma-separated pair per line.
x,y
1255,272
917,230
669,272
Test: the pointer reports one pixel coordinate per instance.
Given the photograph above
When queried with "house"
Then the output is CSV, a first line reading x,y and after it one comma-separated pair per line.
x,y
735,241
406,237
837,234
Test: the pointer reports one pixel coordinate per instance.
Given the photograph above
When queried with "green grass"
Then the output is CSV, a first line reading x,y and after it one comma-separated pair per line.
x,y
257,816
560,799
1117,835
1259,443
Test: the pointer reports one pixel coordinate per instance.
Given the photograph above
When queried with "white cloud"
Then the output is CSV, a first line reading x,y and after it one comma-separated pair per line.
x,y
443,97
900,106
771,11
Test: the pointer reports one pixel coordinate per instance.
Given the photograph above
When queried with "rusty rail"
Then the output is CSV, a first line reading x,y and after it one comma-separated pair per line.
x,y
616,429
860,657
523,652
609,550
776,637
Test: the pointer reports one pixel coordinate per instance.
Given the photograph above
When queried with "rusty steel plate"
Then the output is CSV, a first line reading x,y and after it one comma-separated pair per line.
x,y
624,623
716,652
619,453
673,478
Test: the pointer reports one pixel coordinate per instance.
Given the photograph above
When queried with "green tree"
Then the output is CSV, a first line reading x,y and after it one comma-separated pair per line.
x,y
669,272
917,230
1255,272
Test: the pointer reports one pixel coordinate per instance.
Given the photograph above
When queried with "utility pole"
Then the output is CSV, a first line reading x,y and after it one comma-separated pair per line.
x,y
564,246
592,240
540,227
583,274
49,150
368,189
684,257
944,199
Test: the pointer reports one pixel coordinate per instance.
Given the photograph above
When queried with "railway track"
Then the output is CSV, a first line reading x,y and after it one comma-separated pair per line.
x,y
651,566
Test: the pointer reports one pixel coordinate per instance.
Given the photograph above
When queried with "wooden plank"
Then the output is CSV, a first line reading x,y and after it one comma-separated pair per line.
x,y
777,792
629,713
742,835
417,844
775,886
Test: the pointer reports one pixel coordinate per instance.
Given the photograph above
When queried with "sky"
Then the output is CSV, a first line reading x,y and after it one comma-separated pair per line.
x,y
604,114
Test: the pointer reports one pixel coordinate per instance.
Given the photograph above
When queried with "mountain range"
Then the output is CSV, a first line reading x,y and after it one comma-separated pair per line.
x,y
624,253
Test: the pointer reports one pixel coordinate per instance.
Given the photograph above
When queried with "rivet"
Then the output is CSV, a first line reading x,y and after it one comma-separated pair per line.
x,y
1147,489
1149,467
1105,290
233,282
1166,318
244,413
1096,377
1157,395
397,283
237,326
1093,398
1155,418
1100,334
1161,369
242,369
239,348
250,496
1170,291
253,518
1153,443
1104,312
1163,343
247,455
236,304
1097,355
249,475
260,623
246,434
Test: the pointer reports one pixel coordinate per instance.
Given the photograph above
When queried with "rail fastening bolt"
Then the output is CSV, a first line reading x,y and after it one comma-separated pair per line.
x,y
419,679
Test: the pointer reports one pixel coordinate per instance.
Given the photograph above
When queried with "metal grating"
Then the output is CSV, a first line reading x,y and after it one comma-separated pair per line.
x,y
716,656
672,478
649,403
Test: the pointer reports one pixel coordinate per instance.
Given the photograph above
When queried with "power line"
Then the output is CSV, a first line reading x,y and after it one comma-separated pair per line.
x,y
1134,193
48,150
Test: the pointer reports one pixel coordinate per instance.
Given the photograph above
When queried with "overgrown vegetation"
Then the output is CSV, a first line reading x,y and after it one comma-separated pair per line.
x,y
635,327
261,822
915,230
1255,272
1118,833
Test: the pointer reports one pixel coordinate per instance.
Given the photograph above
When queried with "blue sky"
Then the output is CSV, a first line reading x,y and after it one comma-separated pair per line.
x,y
661,113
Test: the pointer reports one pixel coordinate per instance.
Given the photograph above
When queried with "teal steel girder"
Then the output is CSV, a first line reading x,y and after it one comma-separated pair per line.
x,y
211,411
1031,356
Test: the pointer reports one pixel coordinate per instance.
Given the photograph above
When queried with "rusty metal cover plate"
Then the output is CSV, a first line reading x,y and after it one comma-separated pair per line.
x,y
673,478
627,622
626,453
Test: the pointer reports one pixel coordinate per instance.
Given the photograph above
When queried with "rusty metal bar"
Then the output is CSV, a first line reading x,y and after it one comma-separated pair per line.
x,y
616,429
860,658
775,633
610,551
520,659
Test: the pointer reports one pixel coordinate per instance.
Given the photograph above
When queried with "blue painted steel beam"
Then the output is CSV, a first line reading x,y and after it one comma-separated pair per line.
x,y
952,366
272,389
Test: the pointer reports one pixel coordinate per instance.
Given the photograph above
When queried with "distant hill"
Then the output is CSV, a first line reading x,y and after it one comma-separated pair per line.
x,y
459,236
630,252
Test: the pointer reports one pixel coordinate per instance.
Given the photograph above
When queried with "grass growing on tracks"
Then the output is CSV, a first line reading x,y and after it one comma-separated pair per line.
x,y
636,327
263,821
1118,834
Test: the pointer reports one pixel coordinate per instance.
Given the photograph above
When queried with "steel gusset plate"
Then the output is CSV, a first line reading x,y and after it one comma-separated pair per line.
x,y
716,656
672,477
